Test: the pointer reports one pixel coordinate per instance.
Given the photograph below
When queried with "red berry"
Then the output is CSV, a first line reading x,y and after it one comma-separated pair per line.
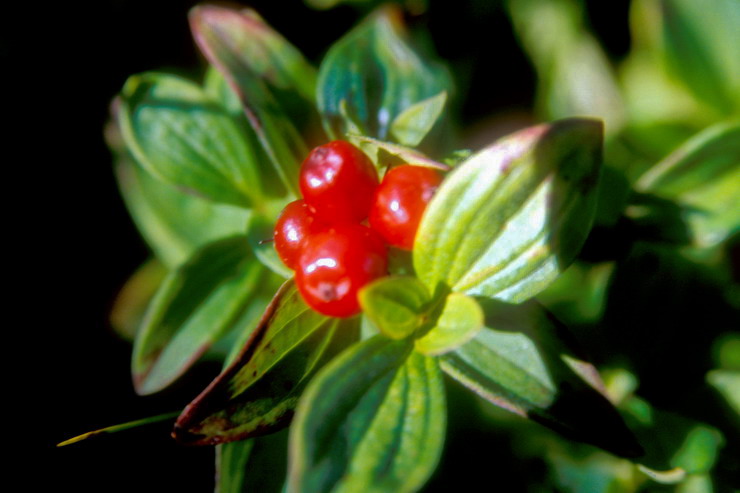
x,y
335,264
295,223
400,201
338,181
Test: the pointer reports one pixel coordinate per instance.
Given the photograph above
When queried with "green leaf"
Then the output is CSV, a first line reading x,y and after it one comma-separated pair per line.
x,y
698,43
727,383
373,420
253,57
414,123
218,88
519,362
727,351
227,348
573,72
231,465
400,306
181,136
657,106
377,75
461,319
257,393
132,301
195,306
655,99
253,43
706,157
579,294
699,451
507,221
597,472
267,464
174,224
683,66
704,176
406,154
676,447
700,483
395,305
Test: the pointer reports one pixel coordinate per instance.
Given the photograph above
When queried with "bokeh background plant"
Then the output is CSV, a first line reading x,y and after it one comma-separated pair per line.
x,y
664,337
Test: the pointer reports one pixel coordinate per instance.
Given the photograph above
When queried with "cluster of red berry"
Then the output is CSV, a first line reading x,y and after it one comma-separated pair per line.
x,y
323,237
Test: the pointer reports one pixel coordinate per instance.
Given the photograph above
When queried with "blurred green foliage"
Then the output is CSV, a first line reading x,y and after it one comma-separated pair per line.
x,y
652,299
654,295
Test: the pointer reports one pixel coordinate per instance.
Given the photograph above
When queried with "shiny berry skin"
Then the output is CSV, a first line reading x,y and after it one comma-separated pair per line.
x,y
400,201
336,264
295,223
338,181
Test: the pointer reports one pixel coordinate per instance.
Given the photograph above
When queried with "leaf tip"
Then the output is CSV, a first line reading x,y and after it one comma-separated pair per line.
x,y
202,12
181,434
72,440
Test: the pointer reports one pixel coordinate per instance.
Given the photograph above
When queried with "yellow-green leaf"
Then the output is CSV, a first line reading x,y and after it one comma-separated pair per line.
x,y
396,305
373,420
508,220
459,321
414,123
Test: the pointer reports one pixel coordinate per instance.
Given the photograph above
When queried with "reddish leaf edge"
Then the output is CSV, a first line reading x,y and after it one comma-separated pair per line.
x,y
215,393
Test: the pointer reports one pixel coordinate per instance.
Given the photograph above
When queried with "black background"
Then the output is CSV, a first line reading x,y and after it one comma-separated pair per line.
x,y
64,64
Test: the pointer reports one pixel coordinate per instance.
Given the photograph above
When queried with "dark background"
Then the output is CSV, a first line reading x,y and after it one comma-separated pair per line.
x,y
83,246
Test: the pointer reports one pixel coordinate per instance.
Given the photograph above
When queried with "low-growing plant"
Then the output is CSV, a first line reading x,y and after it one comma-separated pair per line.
x,y
479,268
